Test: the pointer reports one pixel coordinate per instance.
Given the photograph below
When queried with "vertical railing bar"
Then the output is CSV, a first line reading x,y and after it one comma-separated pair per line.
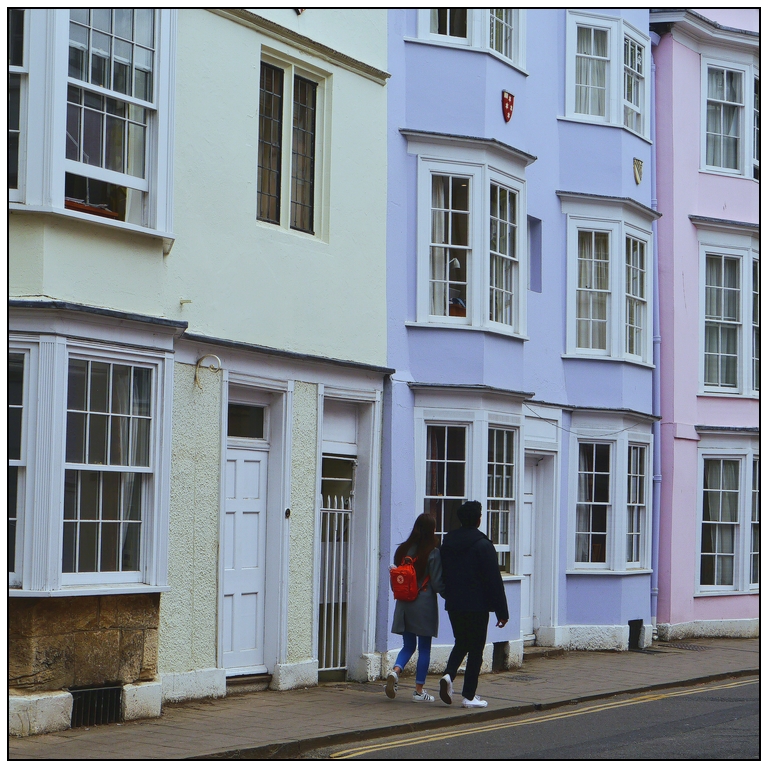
x,y
342,548
334,583
325,590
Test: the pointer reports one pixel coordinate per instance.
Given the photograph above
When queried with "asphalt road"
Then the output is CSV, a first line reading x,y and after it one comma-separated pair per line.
x,y
713,721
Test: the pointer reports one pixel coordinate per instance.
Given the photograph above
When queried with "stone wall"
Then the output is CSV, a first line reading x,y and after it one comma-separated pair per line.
x,y
60,642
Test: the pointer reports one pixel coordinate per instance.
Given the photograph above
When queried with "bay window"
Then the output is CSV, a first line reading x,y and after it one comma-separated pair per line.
x,y
89,429
728,519
610,523
606,72
730,122
608,271
106,116
470,203
464,454
499,32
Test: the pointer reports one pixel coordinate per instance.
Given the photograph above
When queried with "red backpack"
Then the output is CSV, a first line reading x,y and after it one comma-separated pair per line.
x,y
402,578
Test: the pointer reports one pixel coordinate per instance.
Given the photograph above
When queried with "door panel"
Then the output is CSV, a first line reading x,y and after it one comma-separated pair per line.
x,y
244,554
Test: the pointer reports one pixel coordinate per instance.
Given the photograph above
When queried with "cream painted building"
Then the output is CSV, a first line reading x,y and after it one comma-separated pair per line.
x,y
198,339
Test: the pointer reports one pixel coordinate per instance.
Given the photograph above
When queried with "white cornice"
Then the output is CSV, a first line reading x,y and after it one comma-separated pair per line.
x,y
702,30
289,37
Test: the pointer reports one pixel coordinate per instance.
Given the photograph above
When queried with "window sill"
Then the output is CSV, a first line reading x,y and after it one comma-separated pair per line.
x,y
608,572
605,124
607,359
735,395
505,577
731,174
468,47
168,238
729,593
476,328
94,589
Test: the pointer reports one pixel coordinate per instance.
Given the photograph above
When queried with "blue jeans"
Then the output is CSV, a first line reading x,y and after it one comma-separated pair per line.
x,y
409,647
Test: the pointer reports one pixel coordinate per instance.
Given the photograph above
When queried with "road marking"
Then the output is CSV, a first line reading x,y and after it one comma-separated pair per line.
x,y
347,754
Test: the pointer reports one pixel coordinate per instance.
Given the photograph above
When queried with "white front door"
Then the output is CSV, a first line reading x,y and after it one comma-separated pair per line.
x,y
527,539
244,554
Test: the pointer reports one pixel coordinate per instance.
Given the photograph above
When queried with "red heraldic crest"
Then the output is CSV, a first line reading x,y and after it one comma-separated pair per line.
x,y
507,105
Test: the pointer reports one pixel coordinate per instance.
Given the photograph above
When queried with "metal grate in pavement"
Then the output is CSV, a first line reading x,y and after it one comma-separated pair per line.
x,y
686,646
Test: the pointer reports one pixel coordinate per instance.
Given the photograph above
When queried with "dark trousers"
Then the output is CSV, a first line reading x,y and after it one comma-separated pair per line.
x,y
469,631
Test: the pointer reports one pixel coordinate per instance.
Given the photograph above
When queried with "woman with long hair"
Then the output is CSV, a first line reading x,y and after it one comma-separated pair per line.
x,y
418,620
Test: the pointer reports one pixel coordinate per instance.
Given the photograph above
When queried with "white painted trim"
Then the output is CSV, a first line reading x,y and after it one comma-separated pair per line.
x,y
710,628
196,684
142,700
302,674
598,637
43,712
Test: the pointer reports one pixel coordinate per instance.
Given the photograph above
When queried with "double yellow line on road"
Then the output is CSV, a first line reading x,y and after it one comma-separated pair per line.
x,y
348,754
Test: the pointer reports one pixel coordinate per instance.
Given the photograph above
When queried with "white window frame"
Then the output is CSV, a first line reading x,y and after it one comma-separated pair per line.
x,y
621,223
17,195
320,78
483,168
755,521
43,500
710,244
478,34
27,454
736,448
619,433
44,170
477,421
618,29
746,161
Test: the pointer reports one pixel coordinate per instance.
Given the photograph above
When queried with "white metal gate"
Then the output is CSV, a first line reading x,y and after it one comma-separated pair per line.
x,y
337,493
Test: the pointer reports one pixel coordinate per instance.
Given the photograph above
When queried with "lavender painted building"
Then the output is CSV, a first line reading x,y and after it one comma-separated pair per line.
x,y
521,291
707,145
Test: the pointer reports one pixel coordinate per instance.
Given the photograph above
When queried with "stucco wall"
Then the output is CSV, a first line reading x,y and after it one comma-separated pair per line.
x,y
76,261
302,534
188,612
259,282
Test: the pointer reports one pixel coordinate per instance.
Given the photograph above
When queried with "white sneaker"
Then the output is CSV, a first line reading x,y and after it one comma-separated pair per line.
x,y
446,689
476,702
423,696
391,688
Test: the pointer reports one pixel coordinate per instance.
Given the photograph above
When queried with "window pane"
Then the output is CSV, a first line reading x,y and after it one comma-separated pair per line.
x,y
140,442
303,155
76,437
270,143
110,534
245,420
131,547
145,27
142,391
88,547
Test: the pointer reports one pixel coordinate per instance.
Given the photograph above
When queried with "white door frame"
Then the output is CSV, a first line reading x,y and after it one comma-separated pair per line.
x,y
545,545
276,395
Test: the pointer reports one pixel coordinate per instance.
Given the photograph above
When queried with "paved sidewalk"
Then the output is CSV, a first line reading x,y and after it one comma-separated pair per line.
x,y
287,723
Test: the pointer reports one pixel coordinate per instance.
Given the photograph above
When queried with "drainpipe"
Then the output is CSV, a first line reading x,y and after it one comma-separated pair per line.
x,y
656,385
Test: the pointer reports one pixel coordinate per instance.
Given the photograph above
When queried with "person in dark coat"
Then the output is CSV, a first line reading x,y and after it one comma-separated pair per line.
x,y
473,589
418,619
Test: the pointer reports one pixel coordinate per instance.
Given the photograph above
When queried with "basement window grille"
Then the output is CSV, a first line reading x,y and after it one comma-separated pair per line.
x,y
96,706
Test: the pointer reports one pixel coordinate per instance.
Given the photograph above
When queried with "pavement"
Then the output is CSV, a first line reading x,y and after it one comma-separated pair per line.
x,y
286,724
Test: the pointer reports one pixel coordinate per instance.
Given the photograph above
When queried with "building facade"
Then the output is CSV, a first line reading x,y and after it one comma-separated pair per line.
x,y
708,161
195,393
521,290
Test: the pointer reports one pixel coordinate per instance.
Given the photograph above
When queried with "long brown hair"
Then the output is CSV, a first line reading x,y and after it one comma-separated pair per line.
x,y
424,539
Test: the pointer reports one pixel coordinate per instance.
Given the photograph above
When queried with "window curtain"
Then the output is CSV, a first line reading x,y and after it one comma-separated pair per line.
x,y
439,255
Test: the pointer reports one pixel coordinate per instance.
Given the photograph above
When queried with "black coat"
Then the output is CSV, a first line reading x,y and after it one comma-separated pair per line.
x,y
471,573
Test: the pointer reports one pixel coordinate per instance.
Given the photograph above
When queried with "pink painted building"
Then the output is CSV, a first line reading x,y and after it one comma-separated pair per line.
x,y
707,169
